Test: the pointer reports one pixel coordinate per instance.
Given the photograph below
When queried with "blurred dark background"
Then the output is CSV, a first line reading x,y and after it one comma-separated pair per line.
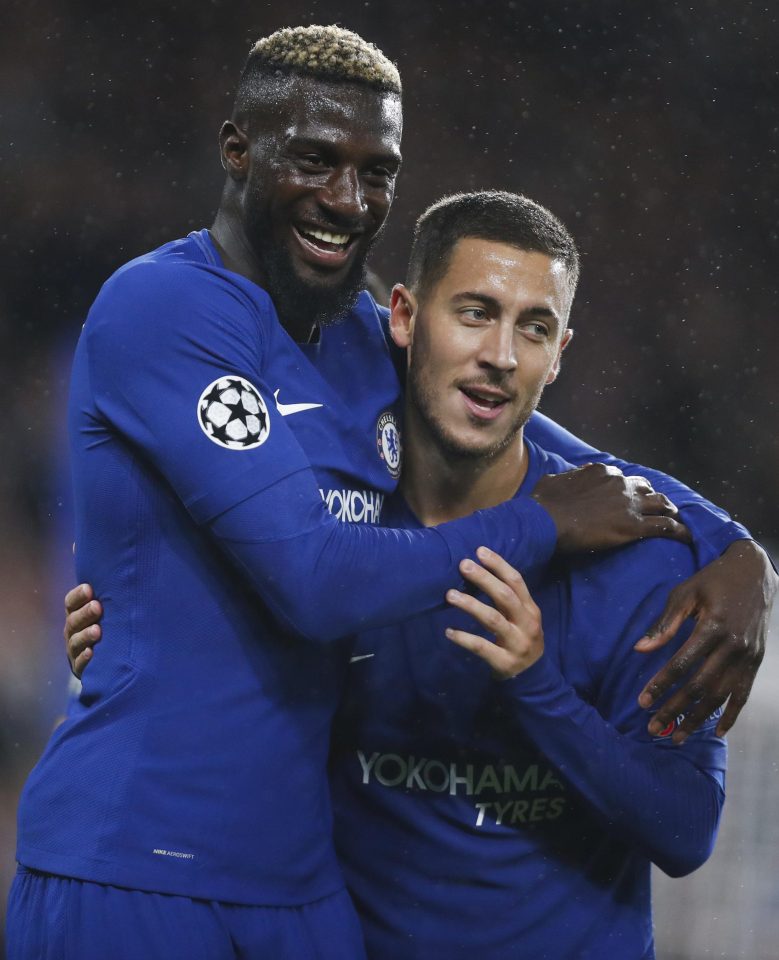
x,y
650,129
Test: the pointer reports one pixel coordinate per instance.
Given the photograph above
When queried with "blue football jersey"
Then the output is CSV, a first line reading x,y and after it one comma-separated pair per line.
x,y
198,744
517,819
193,761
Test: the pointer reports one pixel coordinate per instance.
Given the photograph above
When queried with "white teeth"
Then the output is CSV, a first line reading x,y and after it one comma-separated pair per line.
x,y
338,238
487,402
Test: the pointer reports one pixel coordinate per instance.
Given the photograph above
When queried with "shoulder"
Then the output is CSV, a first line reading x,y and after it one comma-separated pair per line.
x,y
363,333
368,315
613,598
542,461
176,281
376,317
638,568
168,290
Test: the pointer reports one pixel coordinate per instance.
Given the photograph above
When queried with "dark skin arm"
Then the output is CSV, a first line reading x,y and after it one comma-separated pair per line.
x,y
593,507
730,599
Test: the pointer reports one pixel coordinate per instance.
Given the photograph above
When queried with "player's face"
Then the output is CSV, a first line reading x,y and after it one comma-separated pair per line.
x,y
320,183
482,345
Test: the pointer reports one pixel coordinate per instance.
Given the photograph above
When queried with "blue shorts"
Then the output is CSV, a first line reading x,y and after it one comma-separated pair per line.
x,y
56,918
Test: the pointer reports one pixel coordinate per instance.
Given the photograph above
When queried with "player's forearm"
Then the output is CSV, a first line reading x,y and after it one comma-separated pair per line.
x,y
334,578
651,797
711,527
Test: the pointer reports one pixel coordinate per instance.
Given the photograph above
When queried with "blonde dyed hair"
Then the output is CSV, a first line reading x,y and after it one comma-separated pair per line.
x,y
330,53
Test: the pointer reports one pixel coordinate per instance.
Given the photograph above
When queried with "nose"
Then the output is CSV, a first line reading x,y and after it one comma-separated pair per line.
x,y
343,197
498,348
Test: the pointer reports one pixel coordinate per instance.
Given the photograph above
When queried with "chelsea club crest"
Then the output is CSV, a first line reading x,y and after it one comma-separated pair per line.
x,y
388,442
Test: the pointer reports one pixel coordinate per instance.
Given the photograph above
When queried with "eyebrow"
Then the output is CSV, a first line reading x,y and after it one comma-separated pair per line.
x,y
329,148
493,304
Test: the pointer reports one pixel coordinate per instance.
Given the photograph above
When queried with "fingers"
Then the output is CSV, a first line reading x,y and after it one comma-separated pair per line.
x,y
722,671
680,605
484,613
82,630
514,619
664,630
701,641
491,653
79,664
704,693
607,469
79,648
83,640
503,570
83,617
657,504
667,527
77,597
501,583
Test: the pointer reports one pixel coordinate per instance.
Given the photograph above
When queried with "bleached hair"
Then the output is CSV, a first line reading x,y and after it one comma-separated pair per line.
x,y
330,53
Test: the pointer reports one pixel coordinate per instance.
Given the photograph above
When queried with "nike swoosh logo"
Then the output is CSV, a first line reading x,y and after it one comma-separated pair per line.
x,y
363,656
286,409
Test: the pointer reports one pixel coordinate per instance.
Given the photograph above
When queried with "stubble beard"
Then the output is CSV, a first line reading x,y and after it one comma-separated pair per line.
x,y
300,304
422,399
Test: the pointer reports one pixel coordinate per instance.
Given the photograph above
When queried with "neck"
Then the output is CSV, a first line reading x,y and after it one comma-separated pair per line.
x,y
234,248
440,486
238,255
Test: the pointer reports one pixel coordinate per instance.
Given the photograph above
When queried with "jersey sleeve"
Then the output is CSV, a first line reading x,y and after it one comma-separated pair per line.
x,y
712,529
661,798
160,339
172,351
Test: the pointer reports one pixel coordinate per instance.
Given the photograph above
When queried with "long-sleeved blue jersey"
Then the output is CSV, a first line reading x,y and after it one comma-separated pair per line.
x,y
517,819
212,458
194,762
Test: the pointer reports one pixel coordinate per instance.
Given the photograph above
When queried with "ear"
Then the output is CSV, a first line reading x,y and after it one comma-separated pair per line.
x,y
567,337
403,310
234,150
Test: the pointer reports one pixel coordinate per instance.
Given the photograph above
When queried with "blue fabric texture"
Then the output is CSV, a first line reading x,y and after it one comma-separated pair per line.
x,y
519,818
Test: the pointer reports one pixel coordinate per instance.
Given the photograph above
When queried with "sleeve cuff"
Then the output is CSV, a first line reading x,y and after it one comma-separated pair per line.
x,y
712,534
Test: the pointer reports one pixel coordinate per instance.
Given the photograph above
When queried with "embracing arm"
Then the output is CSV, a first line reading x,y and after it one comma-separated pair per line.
x,y
326,579
660,798
175,364
711,528
156,347
730,598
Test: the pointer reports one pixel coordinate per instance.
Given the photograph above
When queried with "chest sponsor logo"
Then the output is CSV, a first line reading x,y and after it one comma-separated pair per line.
x,y
388,442
287,409
504,794
354,506
233,415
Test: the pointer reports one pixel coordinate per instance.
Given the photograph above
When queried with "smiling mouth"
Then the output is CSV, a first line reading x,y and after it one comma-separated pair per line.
x,y
484,404
327,247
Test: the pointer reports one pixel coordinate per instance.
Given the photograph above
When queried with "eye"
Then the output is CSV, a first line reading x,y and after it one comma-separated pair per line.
x,y
476,314
535,329
311,162
381,176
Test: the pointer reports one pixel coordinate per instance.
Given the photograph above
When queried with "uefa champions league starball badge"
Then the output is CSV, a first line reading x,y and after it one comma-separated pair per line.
x,y
232,413
388,442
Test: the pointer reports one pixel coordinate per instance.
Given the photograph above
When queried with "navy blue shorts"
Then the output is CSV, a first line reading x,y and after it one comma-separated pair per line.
x,y
56,918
